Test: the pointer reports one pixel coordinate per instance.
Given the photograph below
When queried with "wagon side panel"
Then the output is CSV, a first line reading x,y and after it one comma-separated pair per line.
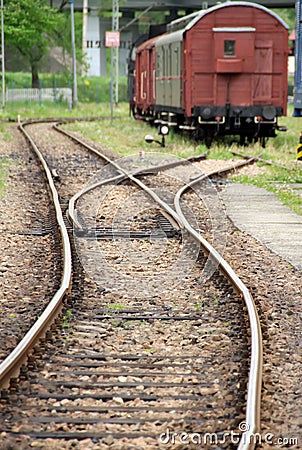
x,y
176,74
151,76
145,76
137,78
169,72
271,59
141,80
235,56
198,69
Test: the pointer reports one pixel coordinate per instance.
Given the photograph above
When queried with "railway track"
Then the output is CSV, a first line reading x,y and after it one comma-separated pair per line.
x,y
144,353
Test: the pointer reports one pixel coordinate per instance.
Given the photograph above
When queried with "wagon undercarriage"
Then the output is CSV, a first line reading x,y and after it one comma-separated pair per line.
x,y
249,128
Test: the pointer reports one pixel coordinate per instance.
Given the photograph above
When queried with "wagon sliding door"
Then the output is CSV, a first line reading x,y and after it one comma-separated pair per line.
x,y
168,73
262,88
234,59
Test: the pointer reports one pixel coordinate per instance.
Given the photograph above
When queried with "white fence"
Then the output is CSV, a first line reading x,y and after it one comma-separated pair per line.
x,y
39,95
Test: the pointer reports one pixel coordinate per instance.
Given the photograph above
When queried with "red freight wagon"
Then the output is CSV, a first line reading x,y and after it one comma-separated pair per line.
x,y
219,71
145,77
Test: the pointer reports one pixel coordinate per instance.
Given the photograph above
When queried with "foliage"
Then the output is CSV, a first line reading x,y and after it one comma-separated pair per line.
x,y
21,80
30,28
63,34
3,173
90,89
125,136
105,8
97,89
288,15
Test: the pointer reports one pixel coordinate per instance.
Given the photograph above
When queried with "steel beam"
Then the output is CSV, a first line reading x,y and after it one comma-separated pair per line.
x,y
140,5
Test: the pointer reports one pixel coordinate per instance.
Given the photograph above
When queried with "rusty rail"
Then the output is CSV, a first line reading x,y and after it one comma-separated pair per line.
x,y
10,367
253,403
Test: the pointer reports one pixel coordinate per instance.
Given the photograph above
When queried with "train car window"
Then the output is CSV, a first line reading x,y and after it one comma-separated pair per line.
x,y
229,48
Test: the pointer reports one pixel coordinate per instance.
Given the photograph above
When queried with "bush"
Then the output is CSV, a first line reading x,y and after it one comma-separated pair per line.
x,y
90,89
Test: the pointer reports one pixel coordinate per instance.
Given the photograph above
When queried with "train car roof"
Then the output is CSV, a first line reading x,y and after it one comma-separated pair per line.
x,y
187,22
168,38
148,44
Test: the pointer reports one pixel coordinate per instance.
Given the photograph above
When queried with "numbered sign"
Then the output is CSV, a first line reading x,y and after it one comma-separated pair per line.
x,y
112,39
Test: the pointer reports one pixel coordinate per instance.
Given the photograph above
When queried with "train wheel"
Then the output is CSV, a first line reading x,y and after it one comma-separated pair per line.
x,y
263,141
208,141
242,140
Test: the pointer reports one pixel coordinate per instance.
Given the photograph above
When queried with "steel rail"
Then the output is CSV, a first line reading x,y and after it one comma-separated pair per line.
x,y
10,367
253,402
260,159
128,175
255,374
170,165
150,192
72,215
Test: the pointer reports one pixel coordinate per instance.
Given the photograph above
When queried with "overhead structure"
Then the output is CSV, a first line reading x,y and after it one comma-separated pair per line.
x,y
115,51
84,32
298,62
158,5
95,26
74,59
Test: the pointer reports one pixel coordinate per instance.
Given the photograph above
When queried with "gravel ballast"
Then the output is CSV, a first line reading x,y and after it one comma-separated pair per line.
x,y
273,282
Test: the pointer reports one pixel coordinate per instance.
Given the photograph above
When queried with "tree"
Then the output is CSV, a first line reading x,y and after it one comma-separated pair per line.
x,y
63,34
30,27
288,15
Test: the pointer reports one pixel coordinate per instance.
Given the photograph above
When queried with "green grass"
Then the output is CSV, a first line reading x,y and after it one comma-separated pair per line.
x,y
116,306
125,136
286,170
3,173
90,89
49,110
66,319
